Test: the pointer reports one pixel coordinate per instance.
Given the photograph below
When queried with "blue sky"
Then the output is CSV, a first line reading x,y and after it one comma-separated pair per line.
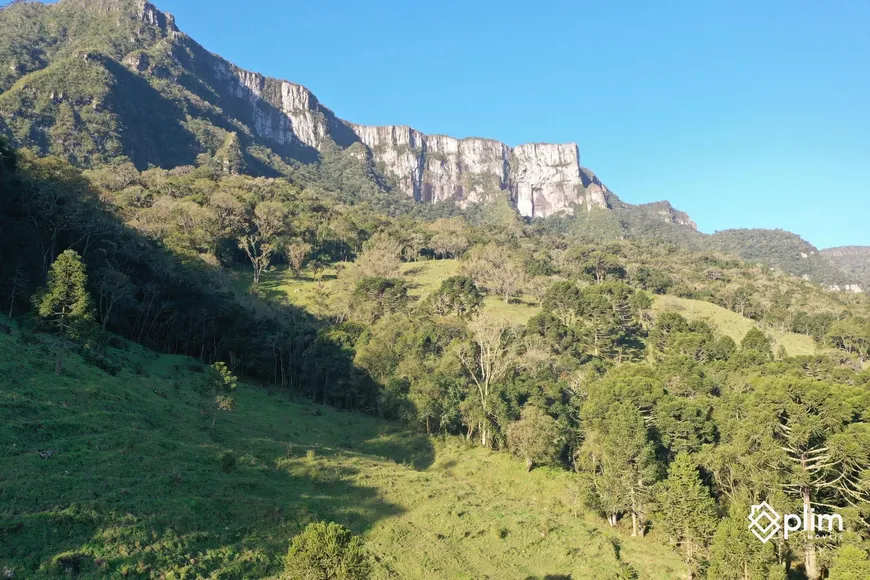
x,y
742,113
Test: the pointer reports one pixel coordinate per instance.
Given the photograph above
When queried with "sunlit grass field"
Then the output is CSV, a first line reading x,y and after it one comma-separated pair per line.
x,y
425,277
135,485
733,324
422,277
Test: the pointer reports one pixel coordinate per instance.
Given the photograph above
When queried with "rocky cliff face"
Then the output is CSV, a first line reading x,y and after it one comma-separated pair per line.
x,y
543,179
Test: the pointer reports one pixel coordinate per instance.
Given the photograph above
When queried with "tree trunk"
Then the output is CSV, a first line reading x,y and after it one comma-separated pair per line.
x,y
811,563
58,363
690,569
529,464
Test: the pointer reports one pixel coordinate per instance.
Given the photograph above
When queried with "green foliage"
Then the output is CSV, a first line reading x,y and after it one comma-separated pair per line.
x,y
853,260
375,297
619,461
65,303
755,340
220,383
165,246
736,554
851,335
686,512
457,295
65,300
779,249
8,159
230,157
228,462
601,320
850,563
536,437
815,325
326,551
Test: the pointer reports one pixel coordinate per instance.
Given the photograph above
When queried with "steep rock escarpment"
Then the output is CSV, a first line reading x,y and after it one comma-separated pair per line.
x,y
544,179
203,96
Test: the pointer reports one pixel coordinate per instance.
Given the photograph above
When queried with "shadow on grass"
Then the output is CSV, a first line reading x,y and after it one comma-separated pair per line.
x,y
193,522
414,271
141,486
415,451
374,438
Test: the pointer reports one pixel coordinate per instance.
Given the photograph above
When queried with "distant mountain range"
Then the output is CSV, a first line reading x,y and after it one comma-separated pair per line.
x,y
98,80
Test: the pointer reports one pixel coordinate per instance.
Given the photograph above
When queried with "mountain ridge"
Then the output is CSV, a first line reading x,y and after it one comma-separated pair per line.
x,y
99,80
543,178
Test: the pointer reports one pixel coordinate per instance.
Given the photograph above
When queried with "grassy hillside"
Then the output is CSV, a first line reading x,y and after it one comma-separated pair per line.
x,y
424,277
732,324
307,291
106,475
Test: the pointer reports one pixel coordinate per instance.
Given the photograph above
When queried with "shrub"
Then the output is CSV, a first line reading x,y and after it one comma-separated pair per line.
x,y
228,462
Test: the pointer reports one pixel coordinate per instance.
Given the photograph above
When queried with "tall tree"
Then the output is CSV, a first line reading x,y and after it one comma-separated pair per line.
x,y
686,512
297,251
260,240
326,551
220,383
65,303
457,295
735,554
488,358
850,563
114,288
825,454
851,335
535,437
619,459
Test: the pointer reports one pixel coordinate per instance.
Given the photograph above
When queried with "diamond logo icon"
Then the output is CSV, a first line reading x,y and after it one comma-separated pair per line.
x,y
764,522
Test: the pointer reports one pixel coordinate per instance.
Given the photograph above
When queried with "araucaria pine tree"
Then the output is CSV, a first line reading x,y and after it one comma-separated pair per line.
x,y
686,512
221,383
65,303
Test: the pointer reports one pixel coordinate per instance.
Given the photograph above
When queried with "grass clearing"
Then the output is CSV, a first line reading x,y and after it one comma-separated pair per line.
x,y
424,277
312,293
733,324
135,484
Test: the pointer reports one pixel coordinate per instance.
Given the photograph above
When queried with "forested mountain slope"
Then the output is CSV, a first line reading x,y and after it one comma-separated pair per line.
x,y
99,81
172,227
608,368
852,259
